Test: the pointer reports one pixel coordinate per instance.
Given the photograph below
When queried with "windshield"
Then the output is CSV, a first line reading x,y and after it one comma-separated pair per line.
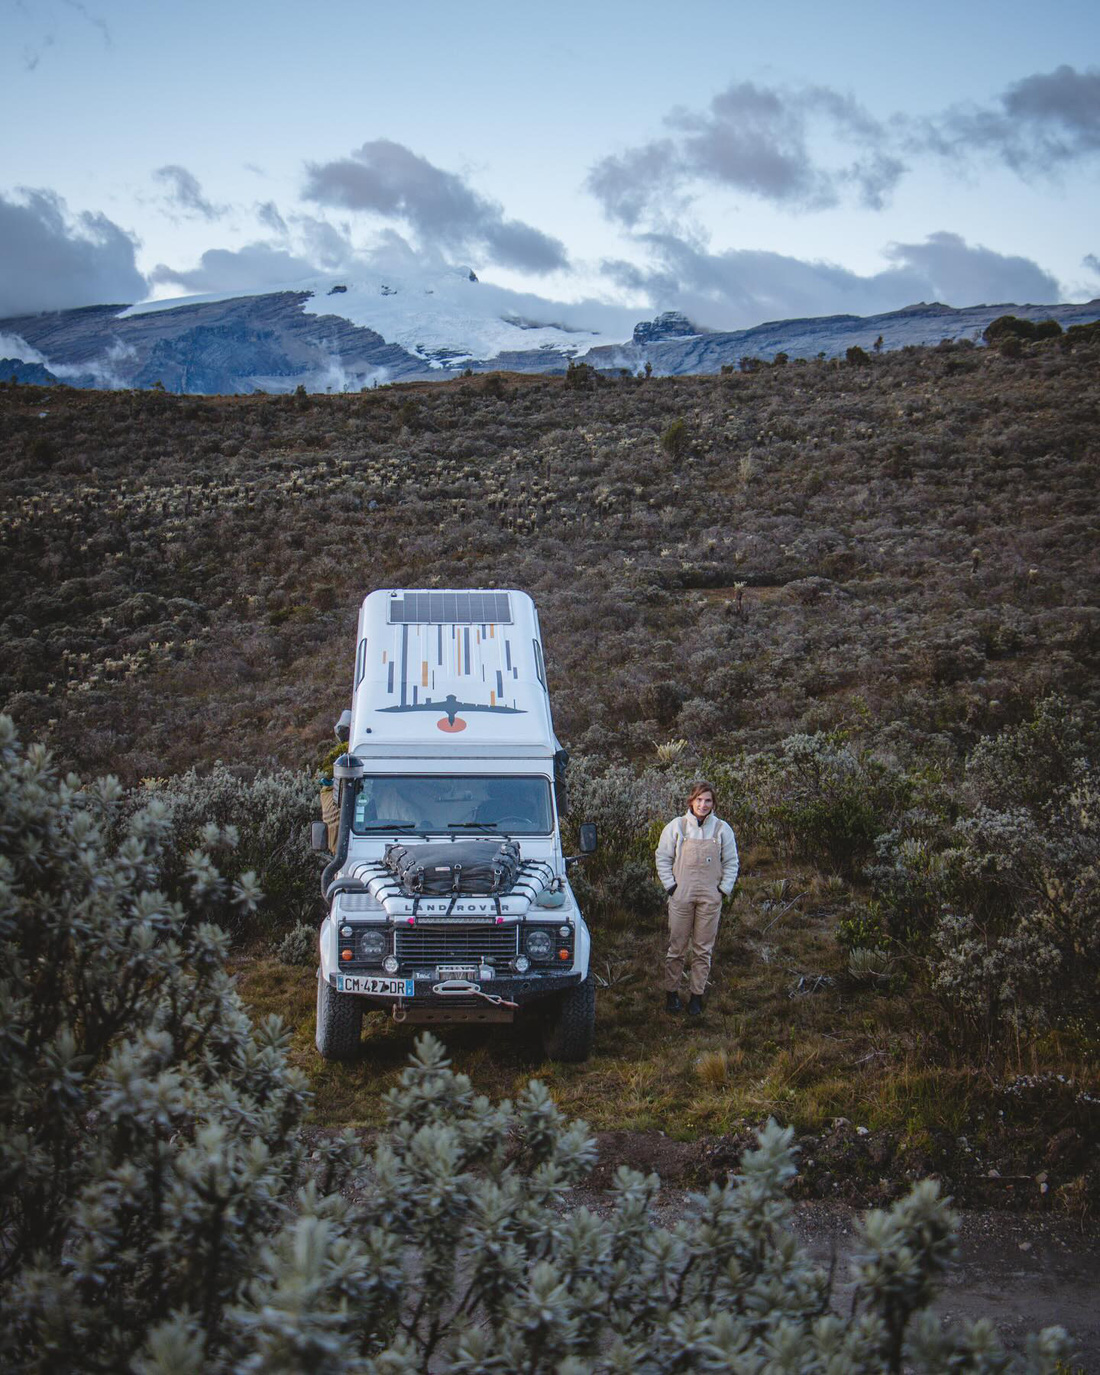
x,y
480,802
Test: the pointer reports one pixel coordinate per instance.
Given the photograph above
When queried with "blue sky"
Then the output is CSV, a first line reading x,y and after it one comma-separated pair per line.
x,y
737,161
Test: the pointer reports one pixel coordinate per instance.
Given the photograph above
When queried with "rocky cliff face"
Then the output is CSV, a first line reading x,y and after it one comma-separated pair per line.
x,y
674,353
252,343
670,325
33,374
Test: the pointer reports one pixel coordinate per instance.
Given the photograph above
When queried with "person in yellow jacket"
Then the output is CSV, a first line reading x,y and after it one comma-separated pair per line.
x,y
697,865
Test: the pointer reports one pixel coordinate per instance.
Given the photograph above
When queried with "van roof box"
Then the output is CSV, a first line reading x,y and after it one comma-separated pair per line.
x,y
453,671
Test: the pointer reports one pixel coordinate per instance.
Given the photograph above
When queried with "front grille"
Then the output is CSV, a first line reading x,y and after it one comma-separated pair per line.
x,y
455,944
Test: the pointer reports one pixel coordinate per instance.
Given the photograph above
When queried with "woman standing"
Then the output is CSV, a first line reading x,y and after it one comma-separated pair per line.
x,y
697,865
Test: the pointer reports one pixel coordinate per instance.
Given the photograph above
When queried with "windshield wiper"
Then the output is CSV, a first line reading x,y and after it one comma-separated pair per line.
x,y
471,825
389,826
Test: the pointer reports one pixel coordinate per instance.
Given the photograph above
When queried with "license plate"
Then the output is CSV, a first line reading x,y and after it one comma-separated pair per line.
x,y
367,983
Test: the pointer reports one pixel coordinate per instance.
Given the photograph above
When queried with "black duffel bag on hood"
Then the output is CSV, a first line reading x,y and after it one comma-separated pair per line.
x,y
473,867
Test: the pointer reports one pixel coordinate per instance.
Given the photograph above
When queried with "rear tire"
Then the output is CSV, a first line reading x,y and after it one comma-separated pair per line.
x,y
570,1026
339,1022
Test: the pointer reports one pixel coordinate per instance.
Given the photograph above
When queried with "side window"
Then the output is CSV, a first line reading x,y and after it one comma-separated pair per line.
x,y
361,662
540,667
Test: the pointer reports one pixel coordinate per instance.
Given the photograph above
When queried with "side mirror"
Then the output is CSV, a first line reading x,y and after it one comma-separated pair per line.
x,y
318,835
342,729
588,841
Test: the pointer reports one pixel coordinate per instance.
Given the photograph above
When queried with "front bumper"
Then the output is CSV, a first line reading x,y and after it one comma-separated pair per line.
x,y
519,989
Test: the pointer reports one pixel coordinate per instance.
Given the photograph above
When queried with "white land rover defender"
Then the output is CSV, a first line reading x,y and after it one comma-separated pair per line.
x,y
448,895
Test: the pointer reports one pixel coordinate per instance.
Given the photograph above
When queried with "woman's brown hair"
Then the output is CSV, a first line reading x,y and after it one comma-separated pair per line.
x,y
700,786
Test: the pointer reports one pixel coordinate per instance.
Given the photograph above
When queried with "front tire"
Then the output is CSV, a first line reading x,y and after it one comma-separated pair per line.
x,y
339,1022
570,1027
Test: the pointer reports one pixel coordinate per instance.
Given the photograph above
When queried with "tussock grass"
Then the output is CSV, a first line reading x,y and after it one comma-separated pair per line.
x,y
785,1033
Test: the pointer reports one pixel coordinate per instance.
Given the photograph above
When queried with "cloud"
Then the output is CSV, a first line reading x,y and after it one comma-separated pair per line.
x,y
105,369
972,275
34,51
15,346
244,269
388,179
325,245
744,287
629,185
269,217
93,19
809,148
185,193
52,261
759,140
1036,126
307,246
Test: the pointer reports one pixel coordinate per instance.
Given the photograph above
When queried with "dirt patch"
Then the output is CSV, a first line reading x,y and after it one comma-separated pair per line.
x,y
852,1165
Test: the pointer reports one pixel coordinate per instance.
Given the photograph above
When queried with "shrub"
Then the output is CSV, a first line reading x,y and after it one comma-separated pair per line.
x,y
157,1217
638,889
580,376
147,1131
820,799
869,965
298,946
675,441
1013,327
1029,764
1003,898
628,808
264,819
661,701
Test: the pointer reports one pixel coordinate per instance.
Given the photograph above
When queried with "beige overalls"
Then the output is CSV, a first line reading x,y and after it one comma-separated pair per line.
x,y
693,911
330,815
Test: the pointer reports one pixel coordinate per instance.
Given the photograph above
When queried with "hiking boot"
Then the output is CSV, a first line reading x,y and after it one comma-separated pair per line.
x,y
673,1003
695,1006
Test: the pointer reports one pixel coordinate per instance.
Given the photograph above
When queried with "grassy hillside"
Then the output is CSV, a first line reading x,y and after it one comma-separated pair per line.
x,y
830,585
916,542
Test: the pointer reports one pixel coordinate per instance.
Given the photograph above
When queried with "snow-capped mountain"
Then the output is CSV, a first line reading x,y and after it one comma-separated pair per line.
x,y
337,333
443,319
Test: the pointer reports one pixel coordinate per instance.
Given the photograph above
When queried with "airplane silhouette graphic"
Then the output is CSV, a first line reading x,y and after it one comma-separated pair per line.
x,y
452,706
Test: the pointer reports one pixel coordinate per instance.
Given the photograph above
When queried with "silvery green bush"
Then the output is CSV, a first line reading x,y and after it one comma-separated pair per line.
x,y
1002,897
159,1215
147,1129
298,946
263,816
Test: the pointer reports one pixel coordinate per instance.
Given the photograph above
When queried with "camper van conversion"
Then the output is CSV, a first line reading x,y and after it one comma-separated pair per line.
x,y
448,895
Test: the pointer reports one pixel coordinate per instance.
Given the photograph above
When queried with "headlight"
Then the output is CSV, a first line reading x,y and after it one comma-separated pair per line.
x,y
347,903
538,944
372,945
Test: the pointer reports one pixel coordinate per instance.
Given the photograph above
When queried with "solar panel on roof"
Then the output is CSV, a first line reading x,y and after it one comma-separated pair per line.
x,y
450,608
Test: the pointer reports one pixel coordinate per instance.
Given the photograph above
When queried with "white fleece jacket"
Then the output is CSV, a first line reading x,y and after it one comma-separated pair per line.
x,y
672,837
